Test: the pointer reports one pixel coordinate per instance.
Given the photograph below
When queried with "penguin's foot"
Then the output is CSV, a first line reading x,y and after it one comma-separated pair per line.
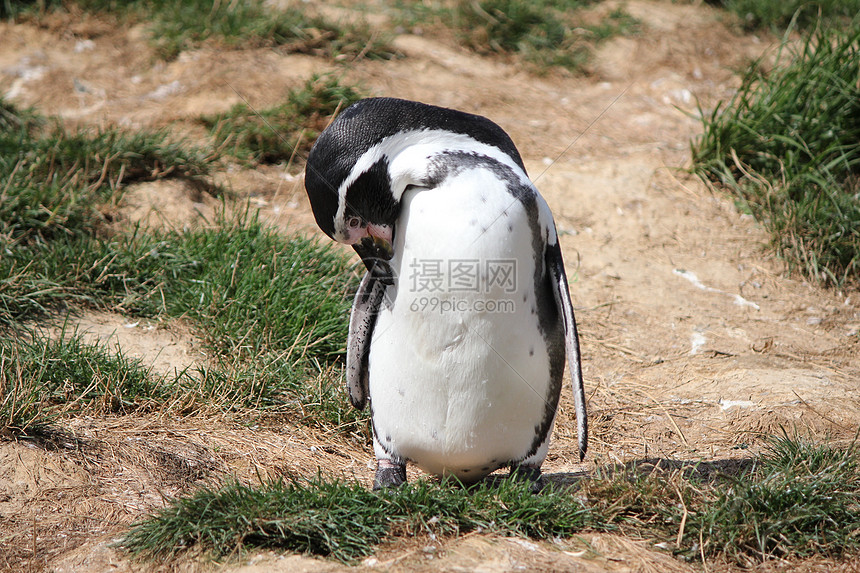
x,y
530,474
389,474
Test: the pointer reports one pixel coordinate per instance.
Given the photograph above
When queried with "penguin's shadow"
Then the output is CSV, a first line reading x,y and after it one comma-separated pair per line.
x,y
698,470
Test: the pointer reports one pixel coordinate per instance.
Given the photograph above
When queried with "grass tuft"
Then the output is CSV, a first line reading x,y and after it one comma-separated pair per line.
x,y
788,145
777,15
801,499
42,376
249,288
183,24
14,119
178,25
273,309
55,182
344,520
281,133
544,33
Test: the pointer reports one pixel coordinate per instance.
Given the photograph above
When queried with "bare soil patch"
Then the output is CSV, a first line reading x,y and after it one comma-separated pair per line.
x,y
696,341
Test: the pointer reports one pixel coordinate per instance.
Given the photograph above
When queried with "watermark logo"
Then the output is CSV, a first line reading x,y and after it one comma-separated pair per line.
x,y
463,275
443,305
456,285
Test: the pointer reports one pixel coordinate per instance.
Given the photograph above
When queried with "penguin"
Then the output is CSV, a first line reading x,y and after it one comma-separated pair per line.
x,y
462,321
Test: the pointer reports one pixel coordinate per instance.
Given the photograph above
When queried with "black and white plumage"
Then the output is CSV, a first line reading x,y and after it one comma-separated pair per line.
x,y
458,383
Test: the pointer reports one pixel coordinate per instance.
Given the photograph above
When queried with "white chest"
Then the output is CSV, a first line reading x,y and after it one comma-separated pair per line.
x,y
459,372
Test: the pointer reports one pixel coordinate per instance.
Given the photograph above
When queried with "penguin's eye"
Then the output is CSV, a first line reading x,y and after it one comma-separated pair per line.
x,y
353,222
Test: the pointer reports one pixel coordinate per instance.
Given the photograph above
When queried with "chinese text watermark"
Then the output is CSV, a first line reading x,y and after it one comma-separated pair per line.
x,y
456,285
463,275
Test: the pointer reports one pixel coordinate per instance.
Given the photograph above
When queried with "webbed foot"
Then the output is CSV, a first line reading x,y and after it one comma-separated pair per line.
x,y
530,474
389,474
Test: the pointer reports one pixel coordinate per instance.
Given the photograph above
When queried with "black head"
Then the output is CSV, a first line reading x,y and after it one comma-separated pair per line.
x,y
368,199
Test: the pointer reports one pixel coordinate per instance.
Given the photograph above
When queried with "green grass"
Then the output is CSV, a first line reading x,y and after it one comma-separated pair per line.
x,y
788,145
46,378
804,500
10,9
777,15
800,499
59,183
284,132
59,190
344,520
272,308
275,307
532,30
13,118
178,25
41,376
249,287
544,33
182,24
273,385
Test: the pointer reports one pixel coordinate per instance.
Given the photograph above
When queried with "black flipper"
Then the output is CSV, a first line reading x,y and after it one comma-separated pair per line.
x,y
555,266
362,320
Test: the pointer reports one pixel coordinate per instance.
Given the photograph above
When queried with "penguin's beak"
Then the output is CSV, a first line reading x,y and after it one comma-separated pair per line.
x,y
382,246
375,251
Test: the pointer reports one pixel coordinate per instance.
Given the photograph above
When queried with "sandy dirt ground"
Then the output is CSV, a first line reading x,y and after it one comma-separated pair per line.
x,y
696,341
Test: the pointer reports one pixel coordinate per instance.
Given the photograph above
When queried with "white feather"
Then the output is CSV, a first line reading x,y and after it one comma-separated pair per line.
x,y
408,152
460,392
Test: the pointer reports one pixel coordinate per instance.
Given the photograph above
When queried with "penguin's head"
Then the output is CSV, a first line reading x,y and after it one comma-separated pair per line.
x,y
349,186
354,195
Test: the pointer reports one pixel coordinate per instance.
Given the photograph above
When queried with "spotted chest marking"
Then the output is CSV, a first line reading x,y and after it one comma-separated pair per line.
x,y
449,165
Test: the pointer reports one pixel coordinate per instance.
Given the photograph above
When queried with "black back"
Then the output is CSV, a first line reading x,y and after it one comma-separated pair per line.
x,y
365,124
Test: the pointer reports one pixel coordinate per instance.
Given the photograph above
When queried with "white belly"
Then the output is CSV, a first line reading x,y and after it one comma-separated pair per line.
x,y
459,372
